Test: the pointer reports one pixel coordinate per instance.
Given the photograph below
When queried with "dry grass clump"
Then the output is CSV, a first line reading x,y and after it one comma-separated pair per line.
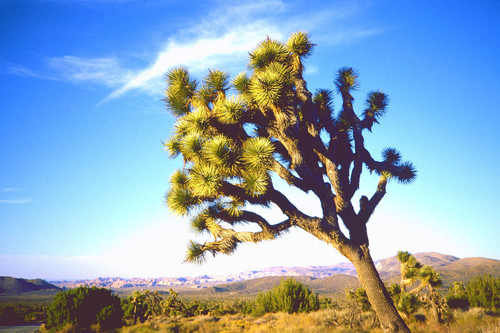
x,y
327,320
476,320
320,321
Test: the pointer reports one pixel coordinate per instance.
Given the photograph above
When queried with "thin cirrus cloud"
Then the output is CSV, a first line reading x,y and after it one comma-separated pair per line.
x,y
198,55
13,201
105,71
78,70
9,189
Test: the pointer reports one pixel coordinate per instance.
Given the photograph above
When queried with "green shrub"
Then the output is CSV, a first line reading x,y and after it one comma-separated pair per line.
x,y
328,303
141,306
484,291
21,313
407,305
84,307
361,298
289,296
457,297
9,316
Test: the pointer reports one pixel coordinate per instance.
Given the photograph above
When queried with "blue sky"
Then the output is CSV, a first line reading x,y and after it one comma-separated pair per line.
x,y
83,172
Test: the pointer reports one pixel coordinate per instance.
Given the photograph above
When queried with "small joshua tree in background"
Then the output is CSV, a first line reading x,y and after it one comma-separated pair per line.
x,y
424,294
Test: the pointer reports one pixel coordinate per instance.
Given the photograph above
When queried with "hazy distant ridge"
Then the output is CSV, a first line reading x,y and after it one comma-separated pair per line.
x,y
450,267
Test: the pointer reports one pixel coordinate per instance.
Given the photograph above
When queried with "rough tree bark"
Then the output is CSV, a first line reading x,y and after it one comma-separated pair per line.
x,y
379,298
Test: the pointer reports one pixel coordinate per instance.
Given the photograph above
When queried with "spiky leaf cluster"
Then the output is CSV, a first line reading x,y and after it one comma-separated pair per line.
x,y
258,153
408,304
300,44
217,81
195,253
180,201
267,86
323,101
231,110
220,152
430,277
205,180
393,168
347,79
181,89
376,104
268,51
391,155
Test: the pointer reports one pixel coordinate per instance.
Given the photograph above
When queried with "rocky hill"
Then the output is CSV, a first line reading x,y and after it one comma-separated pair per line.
x,y
334,284
14,285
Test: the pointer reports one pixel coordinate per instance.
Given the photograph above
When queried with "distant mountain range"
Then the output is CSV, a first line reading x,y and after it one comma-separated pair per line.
x,y
15,285
324,278
321,279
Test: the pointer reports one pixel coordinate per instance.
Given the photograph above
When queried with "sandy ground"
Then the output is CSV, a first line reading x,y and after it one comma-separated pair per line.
x,y
19,329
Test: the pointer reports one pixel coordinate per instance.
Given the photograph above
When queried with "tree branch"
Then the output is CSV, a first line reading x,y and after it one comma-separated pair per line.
x,y
286,175
234,191
367,207
359,147
245,216
285,205
227,239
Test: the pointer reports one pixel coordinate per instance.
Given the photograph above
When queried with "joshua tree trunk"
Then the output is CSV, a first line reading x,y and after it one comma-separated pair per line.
x,y
389,318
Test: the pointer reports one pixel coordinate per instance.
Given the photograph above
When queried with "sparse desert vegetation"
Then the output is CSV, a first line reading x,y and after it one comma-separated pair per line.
x,y
272,304
268,311
350,314
289,307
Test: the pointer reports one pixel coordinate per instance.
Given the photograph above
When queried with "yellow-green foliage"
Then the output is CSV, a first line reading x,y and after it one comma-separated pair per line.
x,y
484,291
359,295
289,296
84,307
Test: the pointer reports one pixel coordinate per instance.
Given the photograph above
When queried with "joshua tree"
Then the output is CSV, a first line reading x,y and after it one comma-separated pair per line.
x,y
236,148
429,280
409,269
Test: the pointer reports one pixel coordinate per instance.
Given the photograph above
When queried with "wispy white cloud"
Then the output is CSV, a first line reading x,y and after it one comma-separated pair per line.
x,y
12,201
97,71
21,71
311,70
9,189
198,55
104,71
223,37
15,202
349,35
